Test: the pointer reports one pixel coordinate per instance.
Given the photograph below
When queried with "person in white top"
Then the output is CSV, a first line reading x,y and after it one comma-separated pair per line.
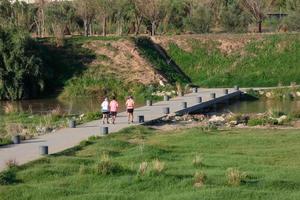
x,y
105,110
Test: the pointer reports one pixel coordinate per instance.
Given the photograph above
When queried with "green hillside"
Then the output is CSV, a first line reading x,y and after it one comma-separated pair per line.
x,y
258,61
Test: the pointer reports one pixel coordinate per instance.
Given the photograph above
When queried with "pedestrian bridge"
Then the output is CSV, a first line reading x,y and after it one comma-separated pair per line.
x,y
197,101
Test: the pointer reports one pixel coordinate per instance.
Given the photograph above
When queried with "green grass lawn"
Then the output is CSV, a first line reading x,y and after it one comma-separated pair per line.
x,y
270,159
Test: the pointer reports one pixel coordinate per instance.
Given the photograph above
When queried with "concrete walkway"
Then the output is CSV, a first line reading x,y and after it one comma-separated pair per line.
x,y
66,138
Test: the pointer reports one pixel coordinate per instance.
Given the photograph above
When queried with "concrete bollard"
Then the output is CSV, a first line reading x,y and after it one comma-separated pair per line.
x,y
141,118
195,90
199,99
149,102
72,123
16,139
104,131
212,95
183,105
236,87
43,150
166,110
225,91
166,98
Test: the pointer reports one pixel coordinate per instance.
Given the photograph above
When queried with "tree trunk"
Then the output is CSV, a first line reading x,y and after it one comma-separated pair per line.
x,y
104,26
153,27
260,26
86,28
137,25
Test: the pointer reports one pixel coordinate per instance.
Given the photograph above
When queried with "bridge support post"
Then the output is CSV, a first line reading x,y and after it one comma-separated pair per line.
x,y
16,139
183,105
199,99
104,131
44,150
149,102
166,110
166,98
141,118
212,95
72,123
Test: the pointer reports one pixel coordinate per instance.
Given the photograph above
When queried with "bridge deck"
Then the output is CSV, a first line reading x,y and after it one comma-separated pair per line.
x,y
66,138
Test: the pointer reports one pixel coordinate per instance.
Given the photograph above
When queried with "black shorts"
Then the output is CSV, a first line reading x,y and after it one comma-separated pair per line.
x,y
114,114
105,113
130,110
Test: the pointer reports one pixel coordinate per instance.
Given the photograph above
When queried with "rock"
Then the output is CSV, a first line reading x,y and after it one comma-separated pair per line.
x,y
233,123
282,119
269,95
261,92
215,118
298,94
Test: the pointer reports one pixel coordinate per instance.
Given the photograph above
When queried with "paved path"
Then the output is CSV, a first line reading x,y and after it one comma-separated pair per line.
x,y
66,138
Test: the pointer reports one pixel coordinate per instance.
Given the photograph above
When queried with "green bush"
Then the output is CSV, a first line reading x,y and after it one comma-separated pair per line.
x,y
22,74
234,19
7,177
200,21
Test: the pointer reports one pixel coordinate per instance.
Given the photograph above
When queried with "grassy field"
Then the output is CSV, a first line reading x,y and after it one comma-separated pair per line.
x,y
266,61
109,168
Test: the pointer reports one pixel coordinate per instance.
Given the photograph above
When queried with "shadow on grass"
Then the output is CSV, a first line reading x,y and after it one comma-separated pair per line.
x,y
63,63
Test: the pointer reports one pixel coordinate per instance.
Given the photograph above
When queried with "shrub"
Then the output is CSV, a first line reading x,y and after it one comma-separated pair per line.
x,y
235,177
256,122
234,19
199,179
7,177
200,21
90,116
198,161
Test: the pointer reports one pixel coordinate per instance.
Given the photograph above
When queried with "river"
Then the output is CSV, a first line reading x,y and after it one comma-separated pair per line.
x,y
83,105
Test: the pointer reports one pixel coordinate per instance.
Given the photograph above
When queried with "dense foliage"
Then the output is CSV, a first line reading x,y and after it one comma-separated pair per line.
x,y
21,72
89,17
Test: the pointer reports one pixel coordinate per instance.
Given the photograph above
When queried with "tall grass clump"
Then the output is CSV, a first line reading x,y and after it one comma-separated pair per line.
x,y
199,179
158,167
235,177
198,161
106,166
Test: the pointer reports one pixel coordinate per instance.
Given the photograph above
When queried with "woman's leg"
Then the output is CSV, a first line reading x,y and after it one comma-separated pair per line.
x,y
103,118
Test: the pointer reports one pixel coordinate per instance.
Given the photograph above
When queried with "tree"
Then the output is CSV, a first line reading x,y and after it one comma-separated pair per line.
x,y
256,9
293,19
199,18
21,71
234,19
104,10
58,16
40,17
153,11
86,9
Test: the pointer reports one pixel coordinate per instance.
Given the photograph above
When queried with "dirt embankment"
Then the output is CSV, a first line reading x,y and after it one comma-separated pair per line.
x,y
226,43
122,59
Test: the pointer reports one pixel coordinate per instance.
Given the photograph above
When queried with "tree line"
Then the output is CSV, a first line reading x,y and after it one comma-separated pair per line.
x,y
122,17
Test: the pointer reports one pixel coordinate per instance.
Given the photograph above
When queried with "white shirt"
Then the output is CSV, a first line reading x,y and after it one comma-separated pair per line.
x,y
105,106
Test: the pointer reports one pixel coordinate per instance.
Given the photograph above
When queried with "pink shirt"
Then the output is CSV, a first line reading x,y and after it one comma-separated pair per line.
x,y
114,106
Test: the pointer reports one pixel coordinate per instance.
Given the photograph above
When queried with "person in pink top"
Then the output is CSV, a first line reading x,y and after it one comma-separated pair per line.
x,y
113,105
130,109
